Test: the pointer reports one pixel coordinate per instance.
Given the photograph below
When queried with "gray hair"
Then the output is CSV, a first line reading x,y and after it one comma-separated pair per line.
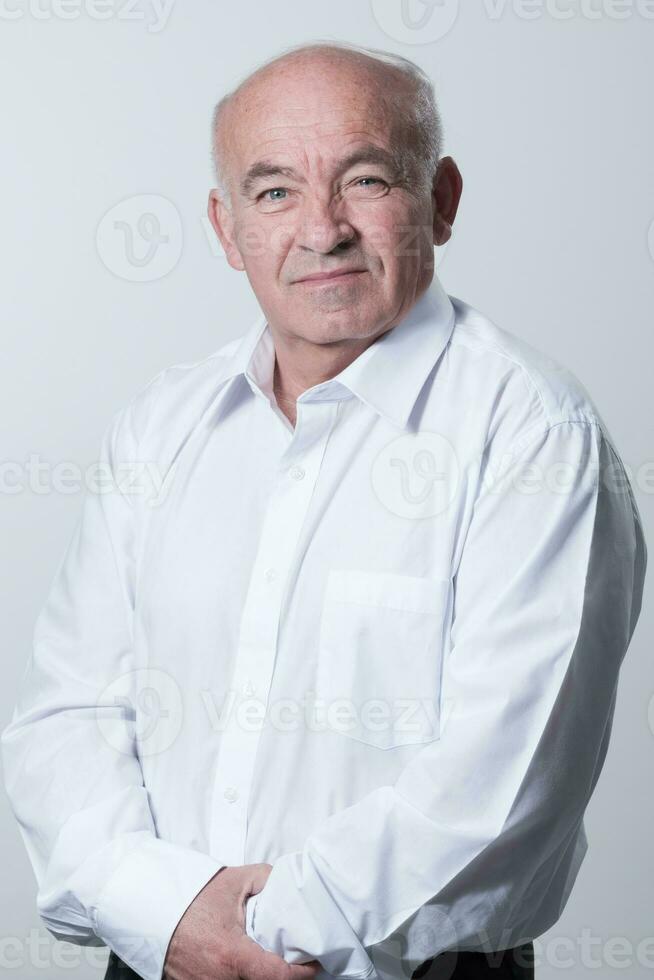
x,y
425,126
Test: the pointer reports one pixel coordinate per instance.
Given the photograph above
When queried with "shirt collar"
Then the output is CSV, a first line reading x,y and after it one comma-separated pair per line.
x,y
387,376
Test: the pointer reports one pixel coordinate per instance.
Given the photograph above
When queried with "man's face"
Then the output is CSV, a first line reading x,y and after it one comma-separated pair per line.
x,y
317,189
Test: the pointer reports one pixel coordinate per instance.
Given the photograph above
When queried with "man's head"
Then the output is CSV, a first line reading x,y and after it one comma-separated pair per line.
x,y
328,158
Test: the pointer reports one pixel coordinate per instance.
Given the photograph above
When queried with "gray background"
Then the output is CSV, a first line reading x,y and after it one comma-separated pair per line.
x,y
549,119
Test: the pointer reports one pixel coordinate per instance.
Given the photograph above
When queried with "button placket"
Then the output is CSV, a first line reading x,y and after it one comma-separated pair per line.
x,y
282,525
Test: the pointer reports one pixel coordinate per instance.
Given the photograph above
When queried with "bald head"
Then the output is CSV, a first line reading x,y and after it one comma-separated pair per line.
x,y
395,89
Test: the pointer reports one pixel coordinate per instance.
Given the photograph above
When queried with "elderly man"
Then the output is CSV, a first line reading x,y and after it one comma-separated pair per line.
x,y
335,706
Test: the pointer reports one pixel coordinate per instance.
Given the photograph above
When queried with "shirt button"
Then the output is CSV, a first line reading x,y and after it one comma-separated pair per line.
x,y
269,574
231,794
297,472
248,689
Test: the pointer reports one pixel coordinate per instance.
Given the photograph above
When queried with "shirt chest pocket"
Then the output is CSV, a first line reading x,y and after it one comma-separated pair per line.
x,y
379,656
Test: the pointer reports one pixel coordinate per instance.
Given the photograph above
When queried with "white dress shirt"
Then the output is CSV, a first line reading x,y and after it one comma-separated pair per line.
x,y
378,650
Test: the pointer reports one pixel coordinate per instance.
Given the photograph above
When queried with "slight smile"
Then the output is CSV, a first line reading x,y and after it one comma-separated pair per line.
x,y
323,277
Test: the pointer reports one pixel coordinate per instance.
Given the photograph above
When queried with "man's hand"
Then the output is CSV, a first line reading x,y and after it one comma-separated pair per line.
x,y
210,942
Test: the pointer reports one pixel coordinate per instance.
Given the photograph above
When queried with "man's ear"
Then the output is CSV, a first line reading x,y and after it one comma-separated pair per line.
x,y
446,194
222,222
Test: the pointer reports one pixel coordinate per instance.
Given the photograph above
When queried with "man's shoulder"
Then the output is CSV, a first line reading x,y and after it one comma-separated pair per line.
x,y
166,408
509,367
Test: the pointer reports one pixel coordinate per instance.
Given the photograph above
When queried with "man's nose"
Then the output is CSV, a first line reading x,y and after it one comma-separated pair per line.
x,y
323,226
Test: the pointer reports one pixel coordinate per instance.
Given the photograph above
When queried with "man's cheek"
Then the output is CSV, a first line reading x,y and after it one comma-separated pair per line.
x,y
378,238
412,239
280,238
251,241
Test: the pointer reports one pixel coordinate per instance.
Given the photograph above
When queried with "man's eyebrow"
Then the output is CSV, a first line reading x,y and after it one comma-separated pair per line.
x,y
370,153
262,169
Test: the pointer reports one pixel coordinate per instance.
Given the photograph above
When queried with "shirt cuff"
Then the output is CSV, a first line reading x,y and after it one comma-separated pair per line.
x,y
145,898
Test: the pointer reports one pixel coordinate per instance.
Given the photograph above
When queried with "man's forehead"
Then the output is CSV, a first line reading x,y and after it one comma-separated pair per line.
x,y
319,101
291,133
271,137
319,77
303,119
277,118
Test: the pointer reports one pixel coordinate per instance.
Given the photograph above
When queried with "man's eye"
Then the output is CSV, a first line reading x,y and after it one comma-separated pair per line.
x,y
370,186
273,190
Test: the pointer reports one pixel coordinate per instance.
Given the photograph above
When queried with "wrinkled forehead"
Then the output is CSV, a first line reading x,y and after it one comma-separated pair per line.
x,y
311,112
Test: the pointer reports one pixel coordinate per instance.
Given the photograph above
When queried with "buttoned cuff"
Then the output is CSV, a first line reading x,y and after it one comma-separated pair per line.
x,y
145,898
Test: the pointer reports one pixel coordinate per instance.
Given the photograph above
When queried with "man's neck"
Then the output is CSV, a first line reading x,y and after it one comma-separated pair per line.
x,y
287,403
299,367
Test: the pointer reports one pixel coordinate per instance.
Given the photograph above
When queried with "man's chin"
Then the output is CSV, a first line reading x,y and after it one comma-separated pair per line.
x,y
337,328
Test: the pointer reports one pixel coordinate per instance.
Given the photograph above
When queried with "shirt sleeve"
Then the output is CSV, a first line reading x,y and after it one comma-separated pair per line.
x,y
545,600
71,765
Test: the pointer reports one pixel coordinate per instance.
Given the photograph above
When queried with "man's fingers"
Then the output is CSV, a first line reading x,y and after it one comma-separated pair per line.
x,y
255,963
304,971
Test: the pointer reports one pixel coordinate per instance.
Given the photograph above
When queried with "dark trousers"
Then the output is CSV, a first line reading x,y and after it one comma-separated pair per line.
x,y
510,964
